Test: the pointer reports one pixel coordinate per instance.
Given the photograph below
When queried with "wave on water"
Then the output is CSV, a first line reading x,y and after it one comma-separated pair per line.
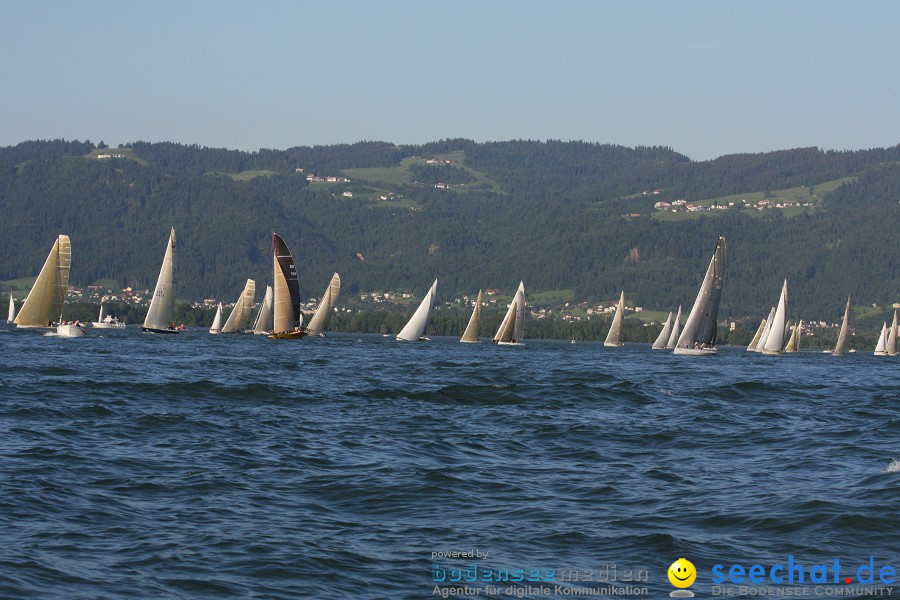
x,y
894,467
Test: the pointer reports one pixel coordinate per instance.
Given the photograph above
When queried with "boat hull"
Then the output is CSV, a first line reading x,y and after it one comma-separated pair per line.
x,y
108,326
70,331
772,352
695,351
613,344
154,330
513,344
288,335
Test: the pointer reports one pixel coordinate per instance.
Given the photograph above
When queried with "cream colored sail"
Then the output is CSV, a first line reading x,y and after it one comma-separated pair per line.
x,y
512,329
161,314
755,341
416,326
217,321
319,323
891,347
794,343
614,337
11,317
44,303
841,344
263,323
775,341
676,331
470,335
766,330
240,314
663,337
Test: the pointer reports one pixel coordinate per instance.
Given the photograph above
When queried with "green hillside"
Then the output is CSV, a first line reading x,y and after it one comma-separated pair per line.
x,y
559,215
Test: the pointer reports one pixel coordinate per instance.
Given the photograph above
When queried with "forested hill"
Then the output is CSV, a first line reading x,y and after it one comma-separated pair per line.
x,y
558,215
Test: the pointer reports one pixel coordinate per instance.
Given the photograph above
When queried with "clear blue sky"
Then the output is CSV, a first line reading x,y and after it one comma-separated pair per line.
x,y
705,78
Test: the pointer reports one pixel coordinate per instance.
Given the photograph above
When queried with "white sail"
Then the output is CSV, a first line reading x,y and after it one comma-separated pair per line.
x,y
240,314
217,321
470,335
161,314
512,329
263,324
751,347
614,337
775,341
882,341
841,343
44,303
663,337
416,325
699,335
12,309
319,323
766,330
676,331
891,346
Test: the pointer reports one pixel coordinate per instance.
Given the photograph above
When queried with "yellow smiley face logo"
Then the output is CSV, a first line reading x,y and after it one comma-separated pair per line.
x,y
682,573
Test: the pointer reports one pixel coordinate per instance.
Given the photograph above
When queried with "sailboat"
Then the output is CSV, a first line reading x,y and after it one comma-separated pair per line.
x,y
512,328
287,316
699,334
793,344
240,314
751,347
263,324
676,331
891,346
765,332
319,323
44,303
470,335
12,308
841,344
774,345
107,322
663,337
880,347
161,315
614,337
217,321
414,329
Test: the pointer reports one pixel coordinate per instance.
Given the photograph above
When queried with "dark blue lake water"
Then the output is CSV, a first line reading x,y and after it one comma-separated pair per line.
x,y
192,466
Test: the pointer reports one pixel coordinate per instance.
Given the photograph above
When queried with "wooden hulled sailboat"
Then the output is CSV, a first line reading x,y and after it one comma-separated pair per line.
x,y
841,344
217,321
161,314
512,328
699,335
614,337
288,319
413,331
470,335
263,323
44,303
240,314
319,323
774,345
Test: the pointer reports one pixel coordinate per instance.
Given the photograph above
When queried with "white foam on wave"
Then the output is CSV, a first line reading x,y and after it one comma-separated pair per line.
x,y
894,467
